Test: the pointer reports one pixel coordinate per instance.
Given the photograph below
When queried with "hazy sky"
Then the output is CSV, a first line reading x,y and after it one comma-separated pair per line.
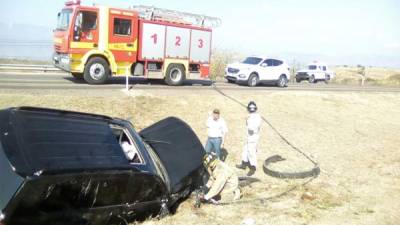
x,y
327,27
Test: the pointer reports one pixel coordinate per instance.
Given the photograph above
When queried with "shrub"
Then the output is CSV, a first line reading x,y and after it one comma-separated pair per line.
x,y
219,59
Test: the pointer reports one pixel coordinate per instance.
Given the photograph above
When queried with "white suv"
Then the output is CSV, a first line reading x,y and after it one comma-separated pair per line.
x,y
315,71
257,69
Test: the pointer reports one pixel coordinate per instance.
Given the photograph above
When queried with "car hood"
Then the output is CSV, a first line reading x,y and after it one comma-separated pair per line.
x,y
240,66
179,149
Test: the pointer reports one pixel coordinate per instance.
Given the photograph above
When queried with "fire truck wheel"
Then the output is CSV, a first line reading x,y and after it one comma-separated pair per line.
x,y
78,76
175,74
96,71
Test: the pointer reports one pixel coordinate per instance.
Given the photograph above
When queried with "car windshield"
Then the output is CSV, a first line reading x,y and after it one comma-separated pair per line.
x,y
312,67
252,60
64,18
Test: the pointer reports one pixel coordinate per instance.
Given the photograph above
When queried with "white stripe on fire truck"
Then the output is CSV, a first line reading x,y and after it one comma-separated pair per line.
x,y
103,28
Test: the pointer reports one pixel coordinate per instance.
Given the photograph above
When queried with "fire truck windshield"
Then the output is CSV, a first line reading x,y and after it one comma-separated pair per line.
x,y
64,18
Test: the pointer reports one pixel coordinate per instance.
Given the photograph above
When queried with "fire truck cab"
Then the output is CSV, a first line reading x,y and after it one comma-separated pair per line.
x,y
97,42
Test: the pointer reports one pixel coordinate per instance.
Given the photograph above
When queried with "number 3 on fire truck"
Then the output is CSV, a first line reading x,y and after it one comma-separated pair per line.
x,y
200,43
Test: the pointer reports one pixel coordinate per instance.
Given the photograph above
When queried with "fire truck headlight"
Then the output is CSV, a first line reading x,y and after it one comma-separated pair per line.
x,y
65,60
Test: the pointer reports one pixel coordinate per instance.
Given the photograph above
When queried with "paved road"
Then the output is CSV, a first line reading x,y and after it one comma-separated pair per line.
x,y
57,81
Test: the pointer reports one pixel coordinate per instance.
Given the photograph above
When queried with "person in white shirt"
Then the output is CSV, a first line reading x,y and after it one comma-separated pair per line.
x,y
253,126
216,129
130,152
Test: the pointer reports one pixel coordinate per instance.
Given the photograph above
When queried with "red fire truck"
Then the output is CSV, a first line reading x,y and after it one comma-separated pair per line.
x,y
97,42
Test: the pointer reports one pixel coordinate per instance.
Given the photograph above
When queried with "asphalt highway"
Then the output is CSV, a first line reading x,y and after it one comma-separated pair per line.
x,y
63,81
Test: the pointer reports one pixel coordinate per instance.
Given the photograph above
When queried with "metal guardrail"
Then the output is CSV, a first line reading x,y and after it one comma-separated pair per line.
x,y
27,67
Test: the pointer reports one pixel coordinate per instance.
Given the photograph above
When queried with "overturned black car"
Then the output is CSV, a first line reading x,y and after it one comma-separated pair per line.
x,y
62,167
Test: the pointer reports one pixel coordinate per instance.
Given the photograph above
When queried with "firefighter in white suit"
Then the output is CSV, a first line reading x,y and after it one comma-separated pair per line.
x,y
253,126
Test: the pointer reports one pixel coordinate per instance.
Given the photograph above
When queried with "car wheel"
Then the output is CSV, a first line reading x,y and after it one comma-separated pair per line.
x,y
253,80
175,74
298,80
327,78
96,71
311,79
78,76
282,82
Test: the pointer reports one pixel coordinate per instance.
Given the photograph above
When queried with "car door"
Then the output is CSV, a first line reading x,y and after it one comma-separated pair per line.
x,y
266,69
319,73
278,69
146,194
325,72
54,199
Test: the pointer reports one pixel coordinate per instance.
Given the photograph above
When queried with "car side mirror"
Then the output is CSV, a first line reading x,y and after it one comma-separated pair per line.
x,y
264,65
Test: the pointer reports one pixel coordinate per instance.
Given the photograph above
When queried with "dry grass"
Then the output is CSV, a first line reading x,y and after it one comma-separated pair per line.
x,y
354,137
373,76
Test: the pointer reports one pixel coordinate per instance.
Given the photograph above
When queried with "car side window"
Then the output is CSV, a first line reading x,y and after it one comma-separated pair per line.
x,y
269,62
127,144
324,68
277,62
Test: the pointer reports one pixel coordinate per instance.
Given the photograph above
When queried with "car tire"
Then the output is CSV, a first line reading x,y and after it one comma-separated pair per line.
x,y
175,74
327,78
253,80
282,82
96,71
311,79
78,76
298,80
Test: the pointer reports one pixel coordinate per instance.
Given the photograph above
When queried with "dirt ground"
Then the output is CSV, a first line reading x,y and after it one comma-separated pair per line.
x,y
354,137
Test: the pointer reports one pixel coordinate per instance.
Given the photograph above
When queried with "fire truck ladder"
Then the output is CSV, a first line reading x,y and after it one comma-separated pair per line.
x,y
153,13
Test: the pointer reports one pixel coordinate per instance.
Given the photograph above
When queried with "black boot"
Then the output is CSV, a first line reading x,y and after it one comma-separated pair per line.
x,y
251,171
242,166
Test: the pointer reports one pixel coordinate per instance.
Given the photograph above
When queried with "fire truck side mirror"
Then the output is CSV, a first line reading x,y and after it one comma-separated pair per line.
x,y
77,33
78,27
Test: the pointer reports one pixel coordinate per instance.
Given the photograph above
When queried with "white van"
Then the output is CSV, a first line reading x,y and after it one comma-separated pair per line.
x,y
315,72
